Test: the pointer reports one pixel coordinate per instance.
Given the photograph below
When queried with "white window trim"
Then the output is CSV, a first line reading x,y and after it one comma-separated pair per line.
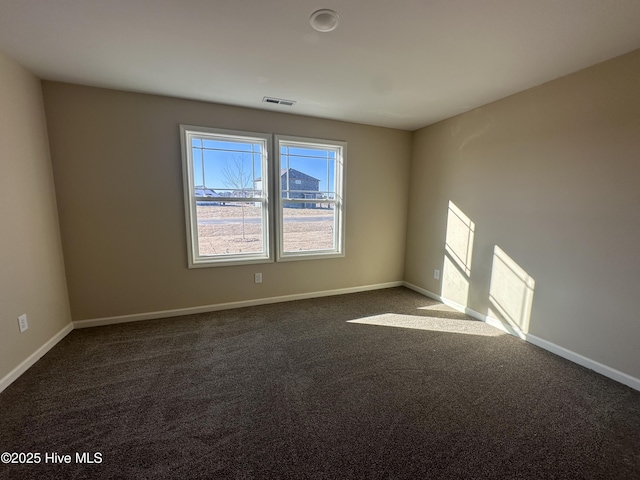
x,y
339,210
187,132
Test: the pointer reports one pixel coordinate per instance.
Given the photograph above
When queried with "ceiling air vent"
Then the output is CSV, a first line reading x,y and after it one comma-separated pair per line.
x,y
279,101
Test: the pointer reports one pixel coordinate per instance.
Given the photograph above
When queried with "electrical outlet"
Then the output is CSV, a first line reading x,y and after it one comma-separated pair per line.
x,y
22,322
257,278
436,274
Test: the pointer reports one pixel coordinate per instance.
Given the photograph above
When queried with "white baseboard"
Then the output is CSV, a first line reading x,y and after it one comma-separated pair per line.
x,y
602,369
227,306
598,367
38,354
34,357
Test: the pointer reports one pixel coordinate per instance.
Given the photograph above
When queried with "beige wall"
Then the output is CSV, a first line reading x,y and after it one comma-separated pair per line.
x,y
32,278
552,177
547,179
117,165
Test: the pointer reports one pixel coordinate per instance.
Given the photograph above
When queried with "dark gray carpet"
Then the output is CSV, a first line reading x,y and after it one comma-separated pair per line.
x,y
294,390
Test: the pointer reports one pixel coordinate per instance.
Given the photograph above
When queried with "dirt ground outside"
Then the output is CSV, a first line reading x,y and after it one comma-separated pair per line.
x,y
236,228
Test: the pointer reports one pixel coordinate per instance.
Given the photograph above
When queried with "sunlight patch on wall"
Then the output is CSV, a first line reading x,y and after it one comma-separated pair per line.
x,y
456,268
459,237
433,324
510,291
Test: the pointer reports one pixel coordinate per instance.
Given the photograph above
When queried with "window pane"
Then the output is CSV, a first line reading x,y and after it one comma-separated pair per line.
x,y
308,226
230,168
310,199
238,145
207,165
239,175
229,228
307,170
305,151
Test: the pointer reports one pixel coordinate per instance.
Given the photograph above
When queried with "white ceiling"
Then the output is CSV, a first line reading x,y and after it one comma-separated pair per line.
x,y
395,63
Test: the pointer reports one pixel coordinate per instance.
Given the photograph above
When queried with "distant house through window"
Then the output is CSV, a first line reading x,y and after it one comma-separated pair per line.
x,y
299,185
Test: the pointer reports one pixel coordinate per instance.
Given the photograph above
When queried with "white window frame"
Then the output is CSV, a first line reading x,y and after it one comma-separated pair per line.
x,y
338,203
195,260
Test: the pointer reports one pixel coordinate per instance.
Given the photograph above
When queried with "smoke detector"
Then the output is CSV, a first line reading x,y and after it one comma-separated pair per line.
x,y
324,20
